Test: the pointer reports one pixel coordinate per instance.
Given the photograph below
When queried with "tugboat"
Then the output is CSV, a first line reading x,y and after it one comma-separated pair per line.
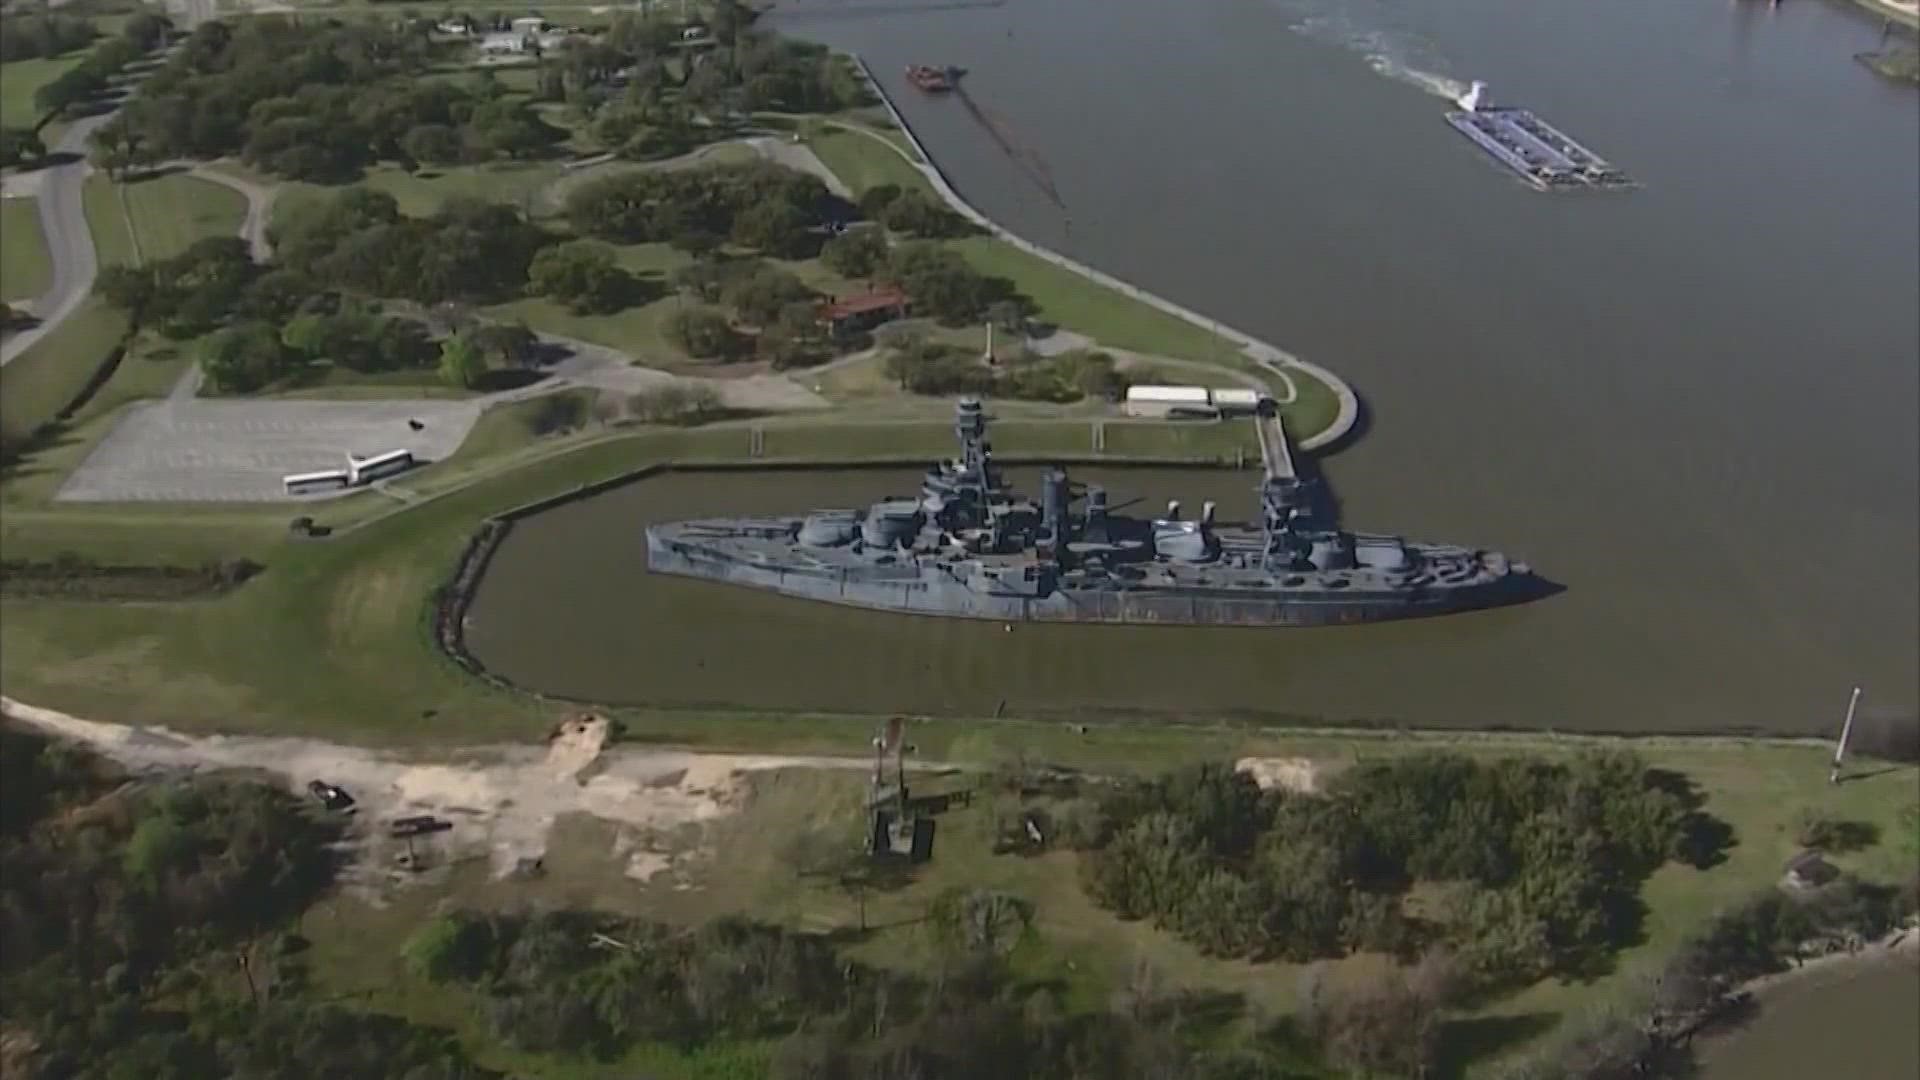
x,y
931,80
967,547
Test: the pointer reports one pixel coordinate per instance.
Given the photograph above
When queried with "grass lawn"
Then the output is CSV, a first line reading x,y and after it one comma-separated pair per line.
x,y
420,194
20,79
1222,440
24,265
171,212
46,378
861,163
113,242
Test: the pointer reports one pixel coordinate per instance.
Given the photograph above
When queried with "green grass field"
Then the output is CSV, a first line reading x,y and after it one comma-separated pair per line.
x,y
20,79
171,212
168,213
24,265
861,165
46,378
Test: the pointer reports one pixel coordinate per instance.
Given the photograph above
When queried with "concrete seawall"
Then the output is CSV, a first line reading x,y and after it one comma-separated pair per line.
x,y
1260,352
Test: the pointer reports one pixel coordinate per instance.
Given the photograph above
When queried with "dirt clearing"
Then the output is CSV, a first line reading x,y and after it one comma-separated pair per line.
x,y
503,801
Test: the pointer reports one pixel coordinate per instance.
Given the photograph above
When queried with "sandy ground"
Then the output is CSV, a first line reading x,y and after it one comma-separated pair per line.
x,y
503,800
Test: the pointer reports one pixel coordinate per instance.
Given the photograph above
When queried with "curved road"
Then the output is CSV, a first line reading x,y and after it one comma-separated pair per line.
x,y
63,221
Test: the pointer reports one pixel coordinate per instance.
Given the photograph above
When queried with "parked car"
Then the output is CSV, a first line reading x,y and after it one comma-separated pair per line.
x,y
333,798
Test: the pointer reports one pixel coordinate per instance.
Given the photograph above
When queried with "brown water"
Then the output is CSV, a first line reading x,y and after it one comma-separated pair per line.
x,y
1860,1025
1695,404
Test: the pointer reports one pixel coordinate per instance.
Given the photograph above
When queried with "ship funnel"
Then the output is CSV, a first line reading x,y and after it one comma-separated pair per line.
x,y
1206,512
1474,97
1173,509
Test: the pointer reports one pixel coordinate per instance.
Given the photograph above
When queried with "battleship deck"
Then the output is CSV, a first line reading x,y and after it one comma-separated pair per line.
x,y
1542,154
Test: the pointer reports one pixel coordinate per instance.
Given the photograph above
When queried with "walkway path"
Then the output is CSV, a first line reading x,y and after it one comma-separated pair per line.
x,y
1269,357
63,221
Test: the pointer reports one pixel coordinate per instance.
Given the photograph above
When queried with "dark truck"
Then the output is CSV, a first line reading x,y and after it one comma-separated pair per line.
x,y
333,798
418,825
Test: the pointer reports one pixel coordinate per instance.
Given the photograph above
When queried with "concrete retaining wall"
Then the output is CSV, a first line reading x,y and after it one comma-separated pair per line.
x,y
1259,351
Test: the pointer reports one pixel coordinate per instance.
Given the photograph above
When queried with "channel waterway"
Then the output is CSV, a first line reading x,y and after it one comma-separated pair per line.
x,y
1693,404
1857,1023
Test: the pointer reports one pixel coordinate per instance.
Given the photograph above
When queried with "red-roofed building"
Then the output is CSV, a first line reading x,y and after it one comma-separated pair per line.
x,y
852,314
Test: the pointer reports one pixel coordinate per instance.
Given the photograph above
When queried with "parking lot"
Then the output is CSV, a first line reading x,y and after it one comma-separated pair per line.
x,y
186,450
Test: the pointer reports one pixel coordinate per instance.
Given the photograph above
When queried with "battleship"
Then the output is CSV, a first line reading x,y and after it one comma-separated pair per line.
x,y
969,547
1542,154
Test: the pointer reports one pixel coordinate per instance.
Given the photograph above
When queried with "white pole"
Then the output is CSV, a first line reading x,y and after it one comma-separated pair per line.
x,y
1846,732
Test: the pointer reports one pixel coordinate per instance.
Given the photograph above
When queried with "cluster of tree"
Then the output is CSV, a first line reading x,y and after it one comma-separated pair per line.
x,y
118,906
923,367
772,209
1700,985
199,289
19,146
769,298
317,100
43,34
584,275
645,93
914,213
1541,860
70,576
577,982
89,78
943,285
357,240
675,403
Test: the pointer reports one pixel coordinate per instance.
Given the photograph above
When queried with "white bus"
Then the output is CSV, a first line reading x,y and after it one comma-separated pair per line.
x,y
366,470
309,482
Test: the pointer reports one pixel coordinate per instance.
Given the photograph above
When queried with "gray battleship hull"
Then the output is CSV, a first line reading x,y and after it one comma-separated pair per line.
x,y
931,591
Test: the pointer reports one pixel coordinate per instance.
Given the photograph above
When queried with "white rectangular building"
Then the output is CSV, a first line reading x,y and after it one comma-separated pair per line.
x,y
1168,402
1237,400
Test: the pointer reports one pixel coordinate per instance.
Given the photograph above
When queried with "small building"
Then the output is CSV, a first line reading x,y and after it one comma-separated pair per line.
x,y
1809,870
456,27
528,25
854,314
696,32
1169,402
507,44
1237,400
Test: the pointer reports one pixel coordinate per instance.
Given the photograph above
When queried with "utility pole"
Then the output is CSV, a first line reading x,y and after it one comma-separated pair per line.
x,y
1846,732
246,968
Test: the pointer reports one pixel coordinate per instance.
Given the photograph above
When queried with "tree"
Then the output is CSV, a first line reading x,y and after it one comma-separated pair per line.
x,y
920,215
432,144
277,294
940,281
875,200
758,293
775,228
461,363
131,289
581,274
857,253
243,358
146,30
514,343
702,332
695,241
72,87
20,145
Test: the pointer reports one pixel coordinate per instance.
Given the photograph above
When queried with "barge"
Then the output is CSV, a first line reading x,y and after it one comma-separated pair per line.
x,y
932,80
1542,154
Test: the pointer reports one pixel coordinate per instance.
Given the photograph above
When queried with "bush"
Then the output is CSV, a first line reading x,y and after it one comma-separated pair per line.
x,y
675,403
703,333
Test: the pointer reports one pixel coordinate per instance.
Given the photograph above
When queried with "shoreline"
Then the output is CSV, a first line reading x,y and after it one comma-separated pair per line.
x,y
1261,353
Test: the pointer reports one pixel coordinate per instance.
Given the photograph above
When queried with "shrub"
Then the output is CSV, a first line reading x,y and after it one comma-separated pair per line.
x,y
675,403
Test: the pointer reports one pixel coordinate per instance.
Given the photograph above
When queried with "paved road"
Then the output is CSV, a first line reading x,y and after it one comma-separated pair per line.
x,y
63,222
259,209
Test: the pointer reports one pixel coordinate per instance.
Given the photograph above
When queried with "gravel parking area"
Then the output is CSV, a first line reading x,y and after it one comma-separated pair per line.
x,y
238,451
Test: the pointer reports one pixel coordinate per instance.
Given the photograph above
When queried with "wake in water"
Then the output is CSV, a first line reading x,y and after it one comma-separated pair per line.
x,y
1391,48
